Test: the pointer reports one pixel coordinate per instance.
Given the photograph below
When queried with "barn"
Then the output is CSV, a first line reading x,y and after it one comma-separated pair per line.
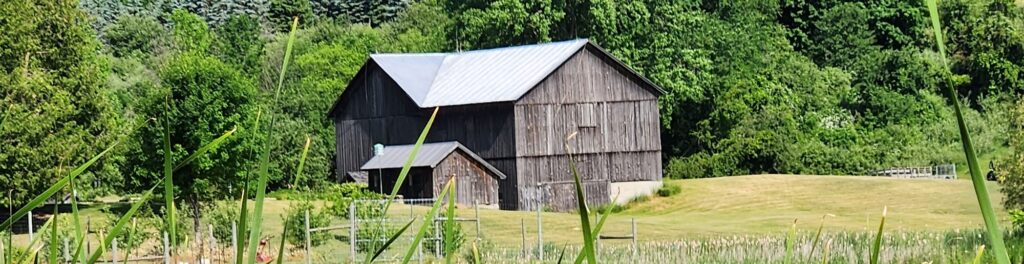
x,y
513,107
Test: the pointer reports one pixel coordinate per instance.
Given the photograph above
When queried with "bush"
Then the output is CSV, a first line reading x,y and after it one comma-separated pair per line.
x,y
221,215
372,234
668,190
1017,220
295,222
341,196
458,238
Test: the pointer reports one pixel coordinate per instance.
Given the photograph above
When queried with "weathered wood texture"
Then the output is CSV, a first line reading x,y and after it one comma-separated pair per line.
x,y
473,182
614,117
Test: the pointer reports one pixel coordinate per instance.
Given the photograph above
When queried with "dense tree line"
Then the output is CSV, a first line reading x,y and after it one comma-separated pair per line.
x,y
763,86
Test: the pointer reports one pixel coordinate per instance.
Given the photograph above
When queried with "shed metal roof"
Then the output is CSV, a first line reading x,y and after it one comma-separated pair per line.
x,y
473,77
429,155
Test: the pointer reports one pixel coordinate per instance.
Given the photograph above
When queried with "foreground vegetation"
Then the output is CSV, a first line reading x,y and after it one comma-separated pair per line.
x,y
781,87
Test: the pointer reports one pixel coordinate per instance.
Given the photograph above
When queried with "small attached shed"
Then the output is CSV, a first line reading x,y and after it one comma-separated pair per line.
x,y
435,163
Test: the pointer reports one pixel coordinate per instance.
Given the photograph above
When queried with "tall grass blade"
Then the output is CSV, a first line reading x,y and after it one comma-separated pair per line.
x,y
825,252
817,237
978,256
33,250
408,162
280,250
302,161
77,221
52,255
476,252
581,205
449,224
426,221
561,255
262,172
170,213
597,229
790,243
243,214
119,225
127,216
995,235
390,241
63,182
877,245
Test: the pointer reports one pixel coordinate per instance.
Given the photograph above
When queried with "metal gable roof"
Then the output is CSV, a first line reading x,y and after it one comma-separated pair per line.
x,y
473,77
429,155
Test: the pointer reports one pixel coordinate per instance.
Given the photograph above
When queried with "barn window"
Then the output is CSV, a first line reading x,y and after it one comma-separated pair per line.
x,y
587,114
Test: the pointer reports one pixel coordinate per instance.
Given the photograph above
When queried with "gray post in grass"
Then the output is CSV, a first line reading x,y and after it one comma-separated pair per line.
x,y
308,243
30,231
522,231
351,231
113,251
419,252
635,248
67,248
88,226
476,207
437,238
597,239
213,241
167,249
540,226
234,240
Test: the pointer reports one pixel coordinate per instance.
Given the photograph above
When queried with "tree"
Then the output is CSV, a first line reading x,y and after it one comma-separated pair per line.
x,y
55,112
239,43
133,35
283,11
503,22
201,97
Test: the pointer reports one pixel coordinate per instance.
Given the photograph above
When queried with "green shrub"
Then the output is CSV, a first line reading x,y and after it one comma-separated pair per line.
x,y
611,208
131,237
431,245
295,222
668,190
372,234
1017,220
340,196
221,215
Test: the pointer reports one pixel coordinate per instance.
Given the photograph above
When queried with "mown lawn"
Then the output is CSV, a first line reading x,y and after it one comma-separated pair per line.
x,y
741,205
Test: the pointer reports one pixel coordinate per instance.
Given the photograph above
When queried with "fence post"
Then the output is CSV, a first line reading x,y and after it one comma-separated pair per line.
x,y
476,208
31,234
113,251
213,243
167,249
540,235
522,231
67,252
597,240
351,231
437,238
234,240
419,252
635,248
309,251
88,226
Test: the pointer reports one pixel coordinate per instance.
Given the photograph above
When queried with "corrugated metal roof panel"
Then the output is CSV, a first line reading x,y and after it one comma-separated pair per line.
x,y
430,155
395,156
473,77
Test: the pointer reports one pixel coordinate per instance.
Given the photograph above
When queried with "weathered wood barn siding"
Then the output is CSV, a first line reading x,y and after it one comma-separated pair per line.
x,y
374,109
474,183
616,121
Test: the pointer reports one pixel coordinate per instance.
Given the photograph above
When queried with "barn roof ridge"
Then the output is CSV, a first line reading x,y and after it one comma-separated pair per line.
x,y
429,155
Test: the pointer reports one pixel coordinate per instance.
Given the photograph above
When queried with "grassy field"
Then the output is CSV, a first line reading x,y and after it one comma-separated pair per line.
x,y
729,206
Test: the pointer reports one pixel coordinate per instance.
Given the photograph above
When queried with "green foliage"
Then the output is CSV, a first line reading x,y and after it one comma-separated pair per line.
x,y
668,190
1011,169
283,11
373,234
52,78
295,222
133,35
222,215
457,239
190,32
239,43
341,196
488,24
208,97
